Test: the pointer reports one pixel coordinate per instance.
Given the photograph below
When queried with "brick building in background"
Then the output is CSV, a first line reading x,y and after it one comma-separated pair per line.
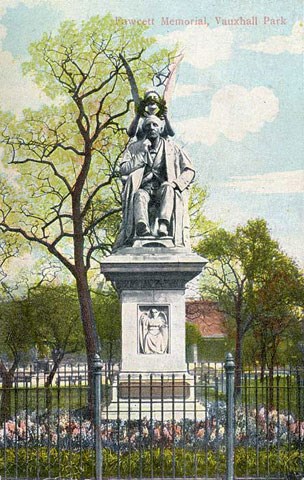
x,y
207,317
211,323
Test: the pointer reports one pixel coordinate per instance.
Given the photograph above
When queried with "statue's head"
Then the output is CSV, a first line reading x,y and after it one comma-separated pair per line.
x,y
152,127
151,97
153,312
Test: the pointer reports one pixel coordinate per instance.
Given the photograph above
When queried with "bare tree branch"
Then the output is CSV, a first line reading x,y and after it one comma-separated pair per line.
x,y
101,218
51,165
4,227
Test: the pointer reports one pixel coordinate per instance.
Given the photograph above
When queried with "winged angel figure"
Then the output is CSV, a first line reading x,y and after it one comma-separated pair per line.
x,y
153,332
152,103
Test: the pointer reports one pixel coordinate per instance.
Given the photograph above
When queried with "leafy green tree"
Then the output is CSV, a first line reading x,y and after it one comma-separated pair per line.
x,y
193,337
62,192
16,338
241,263
56,324
279,309
9,248
200,225
108,319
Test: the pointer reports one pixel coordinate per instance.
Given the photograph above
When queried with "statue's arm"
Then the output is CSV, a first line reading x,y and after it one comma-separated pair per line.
x,y
131,162
184,180
133,127
168,130
163,114
140,110
187,170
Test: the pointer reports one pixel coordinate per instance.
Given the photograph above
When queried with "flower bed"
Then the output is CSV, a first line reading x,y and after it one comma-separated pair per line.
x,y
69,430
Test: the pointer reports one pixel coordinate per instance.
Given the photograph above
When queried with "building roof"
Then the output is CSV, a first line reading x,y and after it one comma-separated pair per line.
x,y
207,316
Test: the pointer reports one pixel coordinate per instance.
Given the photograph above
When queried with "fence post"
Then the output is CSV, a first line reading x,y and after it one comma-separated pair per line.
x,y
229,368
97,368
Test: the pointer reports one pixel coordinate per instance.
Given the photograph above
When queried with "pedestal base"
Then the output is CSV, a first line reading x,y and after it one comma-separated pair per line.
x,y
157,397
152,242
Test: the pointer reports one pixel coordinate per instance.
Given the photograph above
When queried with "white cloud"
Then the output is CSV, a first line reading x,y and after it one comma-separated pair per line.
x,y
4,4
3,32
76,9
185,90
292,244
220,207
293,43
235,111
16,91
202,46
269,183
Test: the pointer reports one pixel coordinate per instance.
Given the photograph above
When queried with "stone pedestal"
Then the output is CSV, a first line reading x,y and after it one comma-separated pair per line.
x,y
151,280
159,397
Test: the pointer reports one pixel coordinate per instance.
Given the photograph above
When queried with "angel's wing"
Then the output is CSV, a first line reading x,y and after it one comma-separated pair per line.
x,y
134,89
171,80
143,329
163,316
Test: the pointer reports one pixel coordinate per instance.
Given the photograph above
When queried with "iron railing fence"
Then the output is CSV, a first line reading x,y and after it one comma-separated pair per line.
x,y
155,426
38,374
77,373
269,420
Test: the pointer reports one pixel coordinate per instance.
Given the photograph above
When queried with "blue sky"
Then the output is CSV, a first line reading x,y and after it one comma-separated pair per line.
x,y
238,102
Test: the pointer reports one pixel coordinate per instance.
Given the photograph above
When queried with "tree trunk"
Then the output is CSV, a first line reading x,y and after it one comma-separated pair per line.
x,y
90,332
6,391
238,359
263,361
57,360
271,395
84,295
273,353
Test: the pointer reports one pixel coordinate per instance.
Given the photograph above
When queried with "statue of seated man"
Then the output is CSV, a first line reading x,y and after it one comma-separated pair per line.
x,y
157,174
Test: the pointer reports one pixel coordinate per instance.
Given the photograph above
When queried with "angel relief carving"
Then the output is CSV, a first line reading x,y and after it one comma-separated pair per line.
x,y
153,328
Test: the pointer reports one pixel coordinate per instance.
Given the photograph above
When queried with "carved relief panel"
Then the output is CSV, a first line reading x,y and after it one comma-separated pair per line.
x,y
153,329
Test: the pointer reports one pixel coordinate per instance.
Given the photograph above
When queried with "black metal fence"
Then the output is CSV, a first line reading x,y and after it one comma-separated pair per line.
x,y
155,426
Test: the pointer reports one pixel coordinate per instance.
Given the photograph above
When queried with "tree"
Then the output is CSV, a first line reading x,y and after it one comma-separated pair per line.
x,y
56,324
18,334
240,263
108,319
279,309
193,337
200,225
15,339
9,248
66,198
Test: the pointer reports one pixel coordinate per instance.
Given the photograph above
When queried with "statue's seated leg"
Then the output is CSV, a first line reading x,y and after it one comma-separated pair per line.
x,y
141,217
163,228
166,204
142,230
